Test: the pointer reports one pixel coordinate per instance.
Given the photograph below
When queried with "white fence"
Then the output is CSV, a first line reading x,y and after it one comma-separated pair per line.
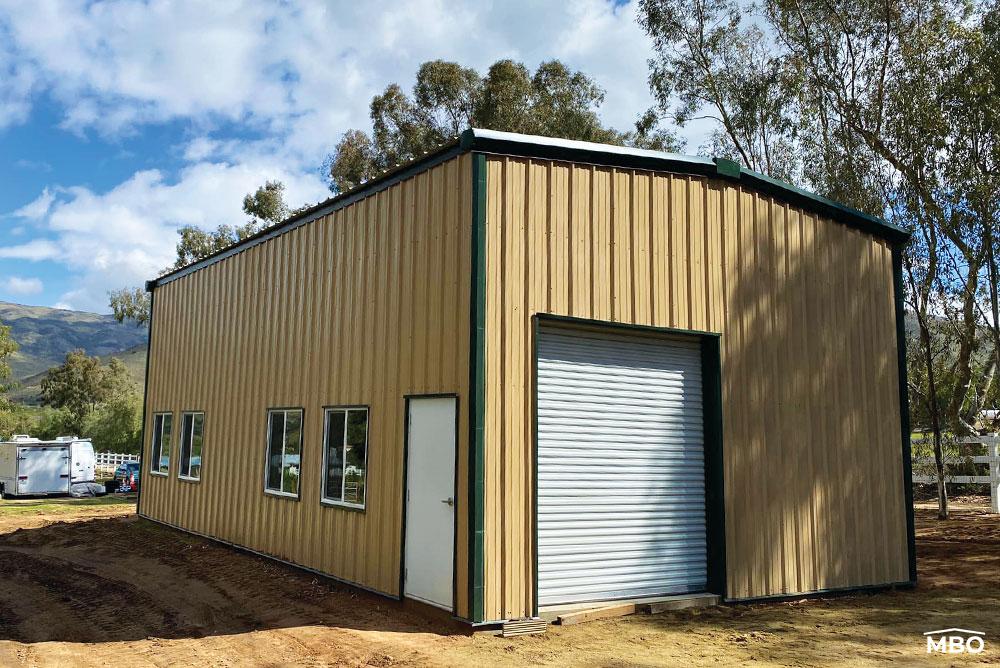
x,y
992,460
107,462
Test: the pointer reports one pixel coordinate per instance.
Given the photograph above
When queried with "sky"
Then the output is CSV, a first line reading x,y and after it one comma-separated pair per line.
x,y
122,121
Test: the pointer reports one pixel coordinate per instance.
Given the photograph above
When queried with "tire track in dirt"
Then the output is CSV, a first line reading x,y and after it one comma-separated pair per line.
x,y
53,599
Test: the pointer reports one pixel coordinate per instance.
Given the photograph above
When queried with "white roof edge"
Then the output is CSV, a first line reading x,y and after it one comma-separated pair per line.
x,y
574,144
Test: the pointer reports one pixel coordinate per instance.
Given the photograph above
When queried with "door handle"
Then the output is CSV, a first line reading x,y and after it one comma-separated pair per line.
x,y
450,501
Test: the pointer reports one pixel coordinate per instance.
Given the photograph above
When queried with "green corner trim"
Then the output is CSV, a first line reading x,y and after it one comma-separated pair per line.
x,y
477,390
715,491
904,408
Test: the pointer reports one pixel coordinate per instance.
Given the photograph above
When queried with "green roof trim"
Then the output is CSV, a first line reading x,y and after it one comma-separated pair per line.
x,y
529,146
548,148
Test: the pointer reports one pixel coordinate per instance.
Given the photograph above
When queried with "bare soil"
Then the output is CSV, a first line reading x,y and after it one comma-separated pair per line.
x,y
94,585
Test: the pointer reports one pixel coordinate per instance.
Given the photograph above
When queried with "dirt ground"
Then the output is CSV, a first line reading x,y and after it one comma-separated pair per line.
x,y
91,584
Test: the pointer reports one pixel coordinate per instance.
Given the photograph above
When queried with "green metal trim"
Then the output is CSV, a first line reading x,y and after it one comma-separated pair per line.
x,y
534,464
715,490
546,148
832,592
505,143
904,409
145,396
477,392
726,167
627,326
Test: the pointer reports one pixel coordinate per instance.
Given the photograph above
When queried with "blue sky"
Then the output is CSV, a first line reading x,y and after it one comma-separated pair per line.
x,y
122,121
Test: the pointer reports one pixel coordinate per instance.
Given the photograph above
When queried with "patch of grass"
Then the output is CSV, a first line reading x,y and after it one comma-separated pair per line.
x,y
68,506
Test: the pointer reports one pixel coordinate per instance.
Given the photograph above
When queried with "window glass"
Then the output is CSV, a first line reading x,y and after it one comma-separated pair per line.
x,y
293,447
355,454
334,482
345,456
284,451
160,452
192,442
275,447
197,440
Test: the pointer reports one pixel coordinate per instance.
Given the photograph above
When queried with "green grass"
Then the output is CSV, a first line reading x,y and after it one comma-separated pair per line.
x,y
45,506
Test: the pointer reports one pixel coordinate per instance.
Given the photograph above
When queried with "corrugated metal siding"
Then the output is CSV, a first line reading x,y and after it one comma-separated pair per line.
x,y
814,496
621,466
363,306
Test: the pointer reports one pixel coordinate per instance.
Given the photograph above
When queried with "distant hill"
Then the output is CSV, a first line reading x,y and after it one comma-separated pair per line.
x,y
45,335
30,388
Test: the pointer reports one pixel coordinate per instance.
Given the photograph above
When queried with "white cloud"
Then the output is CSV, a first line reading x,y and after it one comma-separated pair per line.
x,y
37,207
34,251
21,286
301,71
290,76
127,235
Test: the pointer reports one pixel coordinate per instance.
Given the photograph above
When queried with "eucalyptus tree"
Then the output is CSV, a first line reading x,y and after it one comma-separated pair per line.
x,y
447,97
264,207
889,106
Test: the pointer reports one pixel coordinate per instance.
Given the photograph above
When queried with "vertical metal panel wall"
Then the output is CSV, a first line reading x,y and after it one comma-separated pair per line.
x,y
804,305
363,306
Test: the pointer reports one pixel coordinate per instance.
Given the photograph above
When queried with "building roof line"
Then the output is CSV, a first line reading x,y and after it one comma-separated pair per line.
x,y
550,148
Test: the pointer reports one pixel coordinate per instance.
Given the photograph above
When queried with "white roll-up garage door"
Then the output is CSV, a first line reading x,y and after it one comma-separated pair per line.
x,y
621,467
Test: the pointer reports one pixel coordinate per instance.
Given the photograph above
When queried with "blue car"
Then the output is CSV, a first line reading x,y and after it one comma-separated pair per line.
x,y
125,479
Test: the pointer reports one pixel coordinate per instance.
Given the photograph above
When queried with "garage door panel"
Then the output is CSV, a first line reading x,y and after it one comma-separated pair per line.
x,y
621,488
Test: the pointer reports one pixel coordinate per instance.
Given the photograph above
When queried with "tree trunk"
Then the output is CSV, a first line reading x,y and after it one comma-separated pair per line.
x,y
934,410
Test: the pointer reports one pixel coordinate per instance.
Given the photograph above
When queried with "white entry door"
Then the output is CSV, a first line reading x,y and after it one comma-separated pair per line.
x,y
430,501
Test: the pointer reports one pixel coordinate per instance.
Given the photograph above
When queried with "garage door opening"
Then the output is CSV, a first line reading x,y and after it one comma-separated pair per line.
x,y
622,507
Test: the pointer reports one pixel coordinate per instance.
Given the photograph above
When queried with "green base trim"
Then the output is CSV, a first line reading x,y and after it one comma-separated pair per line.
x,y
820,593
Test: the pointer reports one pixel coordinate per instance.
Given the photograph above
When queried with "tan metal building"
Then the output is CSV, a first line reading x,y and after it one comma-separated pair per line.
x,y
521,372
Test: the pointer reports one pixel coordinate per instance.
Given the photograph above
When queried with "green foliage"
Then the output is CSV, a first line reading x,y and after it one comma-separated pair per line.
x,y
7,348
39,421
713,61
81,384
130,304
553,101
267,203
116,424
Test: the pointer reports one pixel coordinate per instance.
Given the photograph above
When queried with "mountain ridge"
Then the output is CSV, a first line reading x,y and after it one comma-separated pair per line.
x,y
44,336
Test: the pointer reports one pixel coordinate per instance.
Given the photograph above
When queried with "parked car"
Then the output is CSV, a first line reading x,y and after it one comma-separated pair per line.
x,y
125,479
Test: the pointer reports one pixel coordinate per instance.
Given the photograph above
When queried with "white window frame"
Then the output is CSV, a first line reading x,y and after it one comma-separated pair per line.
x,y
156,460
284,441
324,499
180,450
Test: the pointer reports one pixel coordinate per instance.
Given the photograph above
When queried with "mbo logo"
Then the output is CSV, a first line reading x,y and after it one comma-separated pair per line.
x,y
955,641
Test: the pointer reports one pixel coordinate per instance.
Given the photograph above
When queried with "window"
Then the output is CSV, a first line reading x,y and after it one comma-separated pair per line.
x,y
345,456
192,439
284,451
159,459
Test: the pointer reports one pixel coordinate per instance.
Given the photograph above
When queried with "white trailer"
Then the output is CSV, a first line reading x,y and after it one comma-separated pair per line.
x,y
30,467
